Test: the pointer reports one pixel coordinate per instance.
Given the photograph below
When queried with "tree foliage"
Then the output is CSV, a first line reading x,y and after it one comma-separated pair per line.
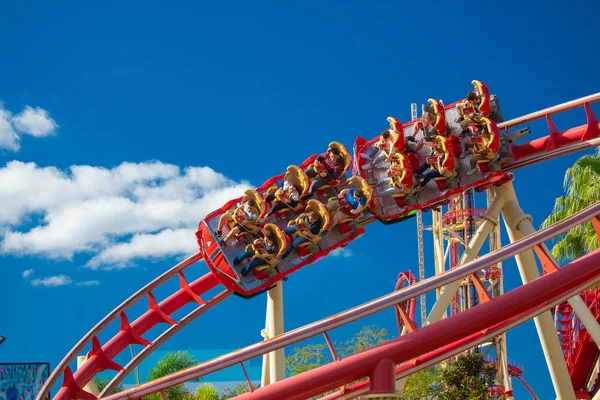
x,y
582,189
469,377
311,356
239,389
166,365
422,385
101,383
206,391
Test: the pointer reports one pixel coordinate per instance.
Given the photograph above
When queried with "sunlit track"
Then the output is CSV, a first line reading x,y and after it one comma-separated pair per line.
x,y
468,328
569,105
141,356
589,144
87,338
366,309
100,357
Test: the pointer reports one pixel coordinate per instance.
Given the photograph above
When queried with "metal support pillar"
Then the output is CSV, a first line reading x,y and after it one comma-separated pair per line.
x,y
275,327
471,250
265,376
91,386
382,381
518,224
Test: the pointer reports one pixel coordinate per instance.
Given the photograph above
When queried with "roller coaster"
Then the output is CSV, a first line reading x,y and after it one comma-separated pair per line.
x,y
570,340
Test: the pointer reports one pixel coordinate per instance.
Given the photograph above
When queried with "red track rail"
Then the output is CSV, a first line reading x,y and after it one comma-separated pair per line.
x,y
101,356
424,347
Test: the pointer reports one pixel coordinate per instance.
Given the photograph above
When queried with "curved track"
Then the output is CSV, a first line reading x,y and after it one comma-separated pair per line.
x,y
101,356
424,347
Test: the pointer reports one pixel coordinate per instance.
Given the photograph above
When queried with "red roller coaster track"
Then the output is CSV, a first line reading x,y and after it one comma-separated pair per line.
x,y
425,346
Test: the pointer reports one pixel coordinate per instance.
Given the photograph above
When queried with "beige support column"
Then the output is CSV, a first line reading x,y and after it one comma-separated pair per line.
x,y
266,374
275,326
518,224
471,250
91,387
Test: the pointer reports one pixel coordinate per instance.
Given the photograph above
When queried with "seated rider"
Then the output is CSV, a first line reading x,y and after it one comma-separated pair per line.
x,y
286,196
327,167
244,217
441,164
264,249
351,202
391,142
383,146
469,112
484,146
427,124
400,177
307,226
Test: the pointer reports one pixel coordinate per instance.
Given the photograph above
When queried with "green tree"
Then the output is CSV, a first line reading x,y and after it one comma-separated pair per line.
x,y
168,364
239,389
582,188
312,356
206,391
470,377
101,382
306,358
367,337
422,385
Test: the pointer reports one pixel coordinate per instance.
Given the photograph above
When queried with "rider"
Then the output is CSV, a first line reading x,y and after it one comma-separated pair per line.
x,y
426,124
244,217
308,225
350,202
286,196
484,146
383,145
469,111
328,166
441,165
400,176
265,245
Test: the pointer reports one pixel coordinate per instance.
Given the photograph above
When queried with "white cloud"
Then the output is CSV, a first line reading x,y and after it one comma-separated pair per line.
x,y
88,283
58,280
168,242
342,252
31,121
35,122
8,137
27,273
117,215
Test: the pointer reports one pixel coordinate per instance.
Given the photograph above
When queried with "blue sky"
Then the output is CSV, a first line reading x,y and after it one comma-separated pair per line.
x,y
179,92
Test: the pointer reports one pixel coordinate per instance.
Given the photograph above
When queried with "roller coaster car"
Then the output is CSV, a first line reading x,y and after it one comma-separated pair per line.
x,y
297,177
281,243
311,245
220,259
389,208
484,93
347,164
349,223
239,218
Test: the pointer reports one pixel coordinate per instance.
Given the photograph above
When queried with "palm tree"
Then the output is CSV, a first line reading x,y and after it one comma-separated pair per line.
x,y
206,391
168,364
582,188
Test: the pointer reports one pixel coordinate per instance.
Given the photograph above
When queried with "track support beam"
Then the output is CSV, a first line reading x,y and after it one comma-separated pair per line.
x,y
518,225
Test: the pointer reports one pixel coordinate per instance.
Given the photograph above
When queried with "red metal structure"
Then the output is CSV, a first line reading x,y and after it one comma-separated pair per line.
x,y
419,347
